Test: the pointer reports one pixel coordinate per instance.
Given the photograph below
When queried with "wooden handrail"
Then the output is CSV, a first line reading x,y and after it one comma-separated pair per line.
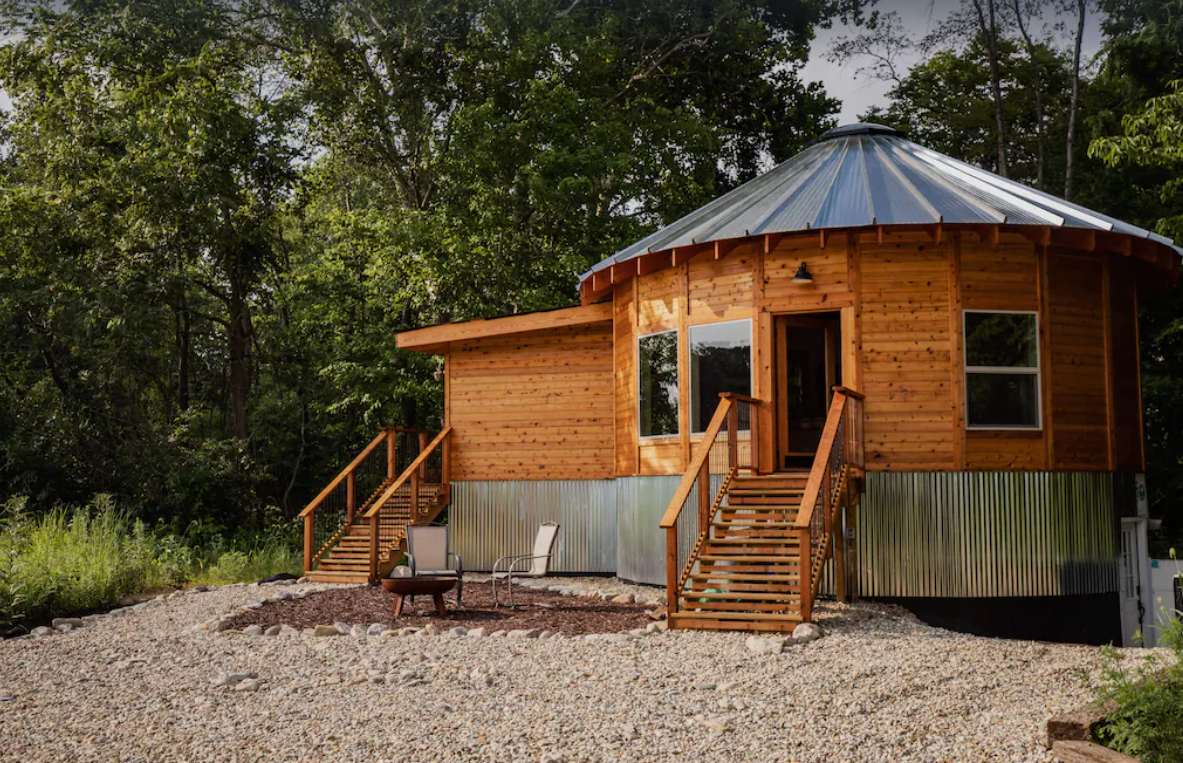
x,y
343,475
670,518
376,506
850,392
821,462
739,397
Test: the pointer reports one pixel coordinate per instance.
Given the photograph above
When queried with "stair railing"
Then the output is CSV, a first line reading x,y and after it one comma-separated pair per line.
x,y
330,514
729,445
829,492
425,483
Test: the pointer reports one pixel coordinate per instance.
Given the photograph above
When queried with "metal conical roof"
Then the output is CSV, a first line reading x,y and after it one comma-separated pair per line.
x,y
867,174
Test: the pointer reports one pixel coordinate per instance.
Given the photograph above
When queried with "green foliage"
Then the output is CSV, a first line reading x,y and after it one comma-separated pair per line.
x,y
1147,722
69,561
217,214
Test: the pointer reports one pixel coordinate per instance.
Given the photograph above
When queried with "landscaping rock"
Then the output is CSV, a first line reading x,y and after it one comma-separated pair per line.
x,y
249,685
624,598
477,633
718,724
806,632
326,630
457,632
375,629
525,633
42,631
253,630
764,644
274,630
73,622
358,631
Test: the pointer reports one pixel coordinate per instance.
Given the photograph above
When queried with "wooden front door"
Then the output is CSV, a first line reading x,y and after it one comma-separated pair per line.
x,y
808,366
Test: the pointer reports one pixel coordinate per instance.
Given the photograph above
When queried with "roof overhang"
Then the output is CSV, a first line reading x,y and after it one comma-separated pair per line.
x,y
439,339
1164,257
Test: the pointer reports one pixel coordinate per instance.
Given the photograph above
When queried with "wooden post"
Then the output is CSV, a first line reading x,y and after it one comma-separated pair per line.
x,y
754,434
424,440
671,573
704,495
805,575
391,454
732,436
415,495
447,465
309,539
374,529
350,496
838,533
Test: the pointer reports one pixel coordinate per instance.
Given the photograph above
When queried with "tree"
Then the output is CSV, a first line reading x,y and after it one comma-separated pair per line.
x,y
988,30
1081,7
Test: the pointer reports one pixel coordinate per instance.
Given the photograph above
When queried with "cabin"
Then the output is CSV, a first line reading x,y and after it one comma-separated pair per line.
x,y
874,371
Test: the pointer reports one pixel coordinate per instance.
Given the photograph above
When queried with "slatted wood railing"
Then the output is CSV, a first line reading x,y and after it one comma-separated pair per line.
x,y
358,488
416,495
729,445
830,491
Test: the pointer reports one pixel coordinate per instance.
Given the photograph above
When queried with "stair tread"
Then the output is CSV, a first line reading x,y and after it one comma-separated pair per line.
x,y
742,595
745,577
749,558
790,616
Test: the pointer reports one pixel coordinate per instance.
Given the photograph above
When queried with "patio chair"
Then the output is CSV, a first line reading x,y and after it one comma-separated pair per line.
x,y
508,567
428,555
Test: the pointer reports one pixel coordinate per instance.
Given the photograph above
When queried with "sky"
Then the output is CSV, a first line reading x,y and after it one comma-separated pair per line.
x,y
921,17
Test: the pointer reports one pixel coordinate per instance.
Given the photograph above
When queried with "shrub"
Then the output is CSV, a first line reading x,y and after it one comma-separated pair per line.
x,y
73,560
1147,721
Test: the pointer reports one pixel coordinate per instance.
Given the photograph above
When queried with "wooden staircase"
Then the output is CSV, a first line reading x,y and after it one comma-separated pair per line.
x,y
349,543
752,557
748,575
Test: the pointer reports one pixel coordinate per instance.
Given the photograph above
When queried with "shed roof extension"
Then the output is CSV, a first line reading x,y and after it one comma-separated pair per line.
x,y
863,175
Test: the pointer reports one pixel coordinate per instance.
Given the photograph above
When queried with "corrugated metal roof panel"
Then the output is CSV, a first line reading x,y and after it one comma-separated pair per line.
x,y
867,174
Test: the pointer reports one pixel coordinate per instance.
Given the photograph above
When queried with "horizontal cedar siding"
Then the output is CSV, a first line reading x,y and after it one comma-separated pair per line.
x,y
1002,277
537,405
1077,349
1127,397
906,353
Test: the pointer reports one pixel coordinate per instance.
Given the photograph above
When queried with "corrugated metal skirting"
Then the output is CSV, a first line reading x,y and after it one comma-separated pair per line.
x,y
491,519
931,534
968,534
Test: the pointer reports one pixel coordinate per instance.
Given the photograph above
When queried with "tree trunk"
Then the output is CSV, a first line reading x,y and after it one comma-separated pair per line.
x,y
1040,134
990,32
239,339
184,338
1074,106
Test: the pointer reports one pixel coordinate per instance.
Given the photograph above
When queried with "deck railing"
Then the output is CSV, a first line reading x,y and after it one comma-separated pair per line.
x,y
730,445
828,493
413,496
357,488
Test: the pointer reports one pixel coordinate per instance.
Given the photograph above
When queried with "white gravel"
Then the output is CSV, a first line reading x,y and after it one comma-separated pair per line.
x,y
146,686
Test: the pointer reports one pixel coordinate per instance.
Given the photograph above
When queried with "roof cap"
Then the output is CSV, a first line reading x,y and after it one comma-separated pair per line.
x,y
859,128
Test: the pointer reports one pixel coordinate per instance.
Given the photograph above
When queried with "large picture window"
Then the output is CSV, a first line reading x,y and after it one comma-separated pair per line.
x,y
657,369
720,361
1001,370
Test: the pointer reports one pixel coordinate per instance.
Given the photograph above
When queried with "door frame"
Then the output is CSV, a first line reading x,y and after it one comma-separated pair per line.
x,y
839,353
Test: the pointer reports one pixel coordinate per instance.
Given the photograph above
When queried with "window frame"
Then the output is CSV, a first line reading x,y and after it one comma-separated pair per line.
x,y
690,367
1036,371
677,372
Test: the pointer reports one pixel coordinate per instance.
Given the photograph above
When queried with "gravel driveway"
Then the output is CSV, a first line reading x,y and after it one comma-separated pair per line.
x,y
138,687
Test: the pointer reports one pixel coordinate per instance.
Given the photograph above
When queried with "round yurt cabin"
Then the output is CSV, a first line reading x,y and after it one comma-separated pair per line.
x,y
873,371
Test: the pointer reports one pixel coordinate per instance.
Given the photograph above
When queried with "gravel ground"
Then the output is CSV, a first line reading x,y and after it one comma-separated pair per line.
x,y
139,686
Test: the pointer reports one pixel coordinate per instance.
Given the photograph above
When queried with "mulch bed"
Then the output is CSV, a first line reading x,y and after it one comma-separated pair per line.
x,y
573,615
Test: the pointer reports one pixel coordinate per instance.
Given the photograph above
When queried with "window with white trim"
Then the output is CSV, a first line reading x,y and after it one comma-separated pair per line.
x,y
1002,370
657,377
720,361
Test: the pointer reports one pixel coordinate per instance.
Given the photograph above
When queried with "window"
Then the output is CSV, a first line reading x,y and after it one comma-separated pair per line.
x,y
657,369
1001,370
720,361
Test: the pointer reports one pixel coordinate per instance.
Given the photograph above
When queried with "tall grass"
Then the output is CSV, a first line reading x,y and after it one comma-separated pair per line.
x,y
72,560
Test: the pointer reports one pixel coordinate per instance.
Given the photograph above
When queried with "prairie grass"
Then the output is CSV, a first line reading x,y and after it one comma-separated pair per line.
x,y
72,560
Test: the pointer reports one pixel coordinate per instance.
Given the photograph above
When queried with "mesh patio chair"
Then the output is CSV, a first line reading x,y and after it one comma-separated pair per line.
x,y
508,567
428,555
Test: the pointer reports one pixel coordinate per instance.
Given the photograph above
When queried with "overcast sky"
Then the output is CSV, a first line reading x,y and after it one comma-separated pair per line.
x,y
921,17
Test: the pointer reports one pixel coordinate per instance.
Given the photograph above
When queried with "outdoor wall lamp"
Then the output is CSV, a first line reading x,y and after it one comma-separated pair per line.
x,y
803,276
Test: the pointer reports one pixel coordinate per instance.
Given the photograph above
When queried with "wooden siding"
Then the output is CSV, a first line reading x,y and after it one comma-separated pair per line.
x,y
1125,358
907,347
533,406
901,297
1002,277
625,379
1076,346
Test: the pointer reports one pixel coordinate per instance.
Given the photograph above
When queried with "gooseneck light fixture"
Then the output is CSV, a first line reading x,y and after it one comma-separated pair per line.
x,y
803,276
